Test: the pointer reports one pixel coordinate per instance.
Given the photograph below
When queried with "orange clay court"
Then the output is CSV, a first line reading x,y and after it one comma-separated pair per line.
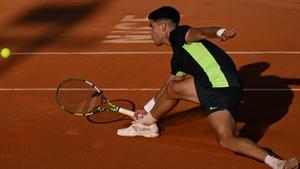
x,y
108,42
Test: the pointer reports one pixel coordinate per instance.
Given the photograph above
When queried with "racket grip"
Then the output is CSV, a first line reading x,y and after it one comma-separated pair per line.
x,y
126,112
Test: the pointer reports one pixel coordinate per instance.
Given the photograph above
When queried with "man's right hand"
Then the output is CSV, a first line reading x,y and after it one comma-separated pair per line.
x,y
139,114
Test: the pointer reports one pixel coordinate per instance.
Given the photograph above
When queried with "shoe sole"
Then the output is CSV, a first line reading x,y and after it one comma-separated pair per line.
x,y
139,135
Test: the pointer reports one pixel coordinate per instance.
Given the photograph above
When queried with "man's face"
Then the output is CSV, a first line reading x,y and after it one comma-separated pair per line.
x,y
157,32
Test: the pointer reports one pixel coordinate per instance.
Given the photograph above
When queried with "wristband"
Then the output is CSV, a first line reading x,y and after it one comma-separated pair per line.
x,y
148,107
220,32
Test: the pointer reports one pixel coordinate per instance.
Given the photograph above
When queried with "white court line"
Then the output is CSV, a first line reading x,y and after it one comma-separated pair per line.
x,y
147,89
54,89
150,53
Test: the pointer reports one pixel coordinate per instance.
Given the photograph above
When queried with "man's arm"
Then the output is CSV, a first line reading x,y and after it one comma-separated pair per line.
x,y
196,34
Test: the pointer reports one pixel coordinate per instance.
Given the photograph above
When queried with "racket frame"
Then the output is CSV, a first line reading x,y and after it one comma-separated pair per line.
x,y
112,107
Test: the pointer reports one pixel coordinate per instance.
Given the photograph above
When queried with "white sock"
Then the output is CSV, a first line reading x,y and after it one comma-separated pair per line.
x,y
274,163
148,119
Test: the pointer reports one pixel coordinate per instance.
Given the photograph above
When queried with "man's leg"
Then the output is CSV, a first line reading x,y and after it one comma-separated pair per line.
x,y
221,121
225,126
225,129
176,90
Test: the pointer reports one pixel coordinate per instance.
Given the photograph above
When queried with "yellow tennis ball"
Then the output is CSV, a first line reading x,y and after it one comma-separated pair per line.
x,y
5,52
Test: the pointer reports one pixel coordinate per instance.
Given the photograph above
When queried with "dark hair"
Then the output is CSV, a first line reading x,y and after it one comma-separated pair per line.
x,y
165,12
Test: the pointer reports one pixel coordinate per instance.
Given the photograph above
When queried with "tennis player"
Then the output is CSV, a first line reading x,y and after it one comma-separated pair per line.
x,y
202,73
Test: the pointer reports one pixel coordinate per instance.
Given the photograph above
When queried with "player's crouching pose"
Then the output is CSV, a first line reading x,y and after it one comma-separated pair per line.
x,y
201,73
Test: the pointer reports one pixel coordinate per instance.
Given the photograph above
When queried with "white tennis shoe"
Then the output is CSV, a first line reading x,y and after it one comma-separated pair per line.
x,y
138,129
292,163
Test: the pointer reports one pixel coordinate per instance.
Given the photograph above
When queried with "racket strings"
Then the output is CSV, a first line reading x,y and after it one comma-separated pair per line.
x,y
79,97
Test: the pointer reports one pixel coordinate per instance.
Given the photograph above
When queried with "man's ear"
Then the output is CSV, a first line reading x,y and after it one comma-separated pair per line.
x,y
163,27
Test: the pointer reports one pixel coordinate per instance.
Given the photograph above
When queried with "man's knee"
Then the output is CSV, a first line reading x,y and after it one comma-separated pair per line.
x,y
173,91
228,143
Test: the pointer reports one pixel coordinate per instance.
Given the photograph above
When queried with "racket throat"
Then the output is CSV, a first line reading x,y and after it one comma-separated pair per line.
x,y
113,107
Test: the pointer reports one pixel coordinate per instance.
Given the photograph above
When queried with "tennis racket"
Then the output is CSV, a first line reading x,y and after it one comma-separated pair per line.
x,y
83,98
111,116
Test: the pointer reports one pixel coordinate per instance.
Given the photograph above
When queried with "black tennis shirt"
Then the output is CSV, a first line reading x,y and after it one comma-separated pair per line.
x,y
205,61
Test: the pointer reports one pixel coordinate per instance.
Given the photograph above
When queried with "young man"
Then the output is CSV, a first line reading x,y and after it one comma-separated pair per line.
x,y
201,73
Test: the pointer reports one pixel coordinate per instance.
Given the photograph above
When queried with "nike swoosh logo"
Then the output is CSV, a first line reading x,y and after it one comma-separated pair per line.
x,y
213,108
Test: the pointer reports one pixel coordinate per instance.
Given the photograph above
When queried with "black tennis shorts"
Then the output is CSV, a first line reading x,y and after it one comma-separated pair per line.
x,y
215,99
